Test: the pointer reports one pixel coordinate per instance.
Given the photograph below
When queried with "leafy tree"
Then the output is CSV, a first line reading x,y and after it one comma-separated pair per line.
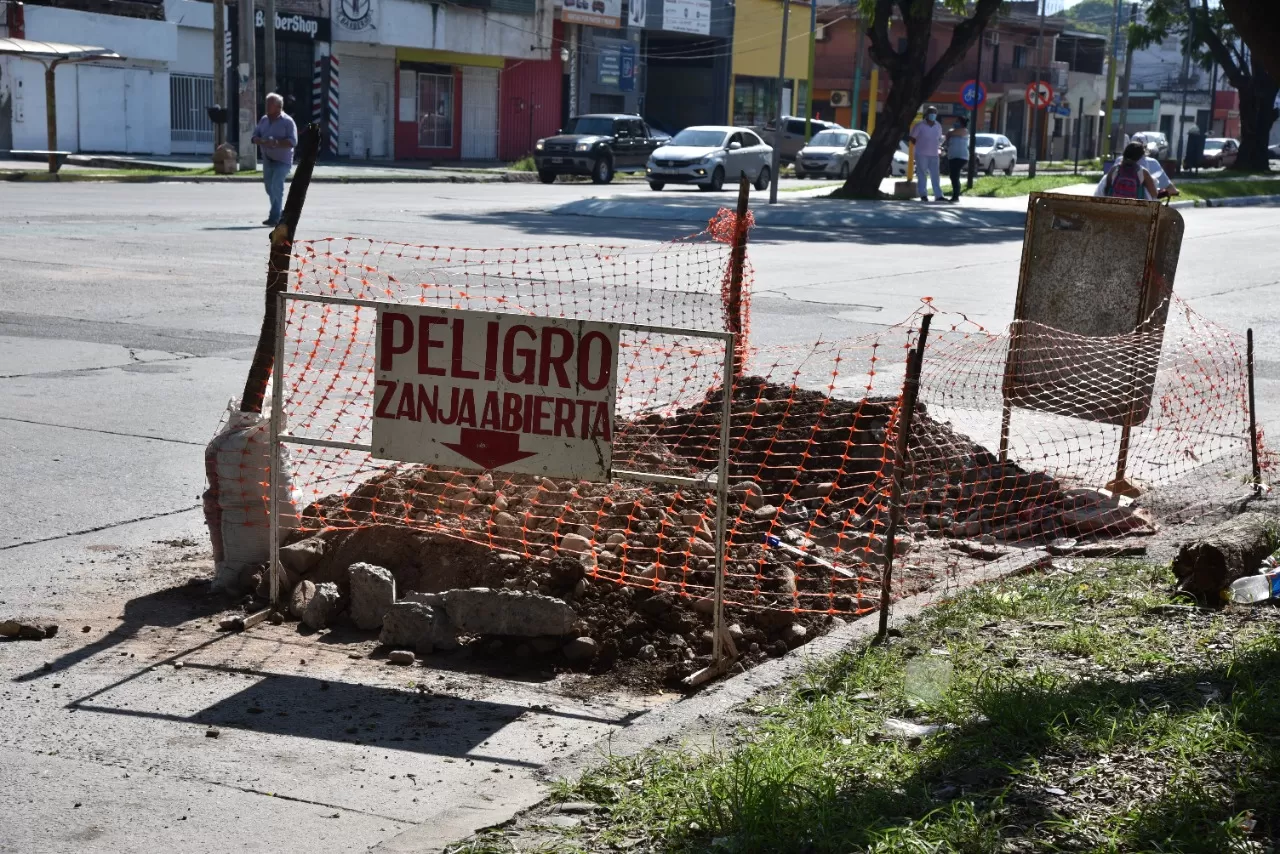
x,y
1091,16
1258,21
911,80
1213,38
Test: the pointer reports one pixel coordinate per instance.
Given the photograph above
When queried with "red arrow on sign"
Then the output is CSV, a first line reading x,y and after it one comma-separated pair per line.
x,y
489,449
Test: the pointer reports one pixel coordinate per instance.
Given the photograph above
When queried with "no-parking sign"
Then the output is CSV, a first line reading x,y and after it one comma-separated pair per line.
x,y
1039,95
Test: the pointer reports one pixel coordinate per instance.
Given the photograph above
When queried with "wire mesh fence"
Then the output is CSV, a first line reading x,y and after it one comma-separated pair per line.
x,y
993,466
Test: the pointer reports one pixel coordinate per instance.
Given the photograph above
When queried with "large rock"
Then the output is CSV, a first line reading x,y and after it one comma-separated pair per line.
x,y
301,557
373,591
416,626
508,612
303,593
324,605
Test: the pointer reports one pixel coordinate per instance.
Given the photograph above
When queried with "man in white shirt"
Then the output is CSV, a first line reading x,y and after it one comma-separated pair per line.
x,y
926,136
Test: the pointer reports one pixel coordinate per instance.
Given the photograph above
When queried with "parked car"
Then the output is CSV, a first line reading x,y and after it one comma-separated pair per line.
x,y
831,154
995,152
898,169
791,139
598,145
707,155
1156,143
1220,151
1273,153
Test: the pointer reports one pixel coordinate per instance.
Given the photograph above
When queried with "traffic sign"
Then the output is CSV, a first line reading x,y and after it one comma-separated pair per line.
x,y
482,390
1039,98
973,94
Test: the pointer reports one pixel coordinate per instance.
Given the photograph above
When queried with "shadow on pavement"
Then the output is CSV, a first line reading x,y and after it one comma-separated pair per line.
x,y
167,608
586,228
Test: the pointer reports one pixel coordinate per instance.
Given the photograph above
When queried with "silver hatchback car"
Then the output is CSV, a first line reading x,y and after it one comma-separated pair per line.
x,y
708,155
831,154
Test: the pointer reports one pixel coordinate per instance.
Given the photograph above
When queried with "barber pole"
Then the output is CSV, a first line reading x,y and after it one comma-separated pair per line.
x,y
317,89
333,104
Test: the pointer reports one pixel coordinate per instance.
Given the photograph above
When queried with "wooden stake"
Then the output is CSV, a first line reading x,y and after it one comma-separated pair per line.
x,y
910,391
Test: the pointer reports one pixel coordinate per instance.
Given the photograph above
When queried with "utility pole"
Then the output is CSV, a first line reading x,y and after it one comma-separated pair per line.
x,y
855,103
1111,81
219,69
1128,71
973,121
247,79
782,108
808,89
269,45
1034,112
1186,79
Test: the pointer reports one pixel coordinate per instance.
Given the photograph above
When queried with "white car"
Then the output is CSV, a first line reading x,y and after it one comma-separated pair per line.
x,y
831,154
995,152
898,169
709,155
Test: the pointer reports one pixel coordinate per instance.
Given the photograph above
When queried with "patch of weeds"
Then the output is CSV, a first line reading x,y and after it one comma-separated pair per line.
x,y
1073,714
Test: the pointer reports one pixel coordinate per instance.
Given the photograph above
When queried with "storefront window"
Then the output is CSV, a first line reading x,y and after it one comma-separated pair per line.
x,y
755,100
435,111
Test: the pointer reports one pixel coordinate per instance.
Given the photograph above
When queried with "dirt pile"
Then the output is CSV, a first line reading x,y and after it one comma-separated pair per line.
x,y
809,494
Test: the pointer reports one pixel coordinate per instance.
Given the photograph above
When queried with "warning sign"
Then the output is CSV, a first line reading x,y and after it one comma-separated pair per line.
x,y
480,390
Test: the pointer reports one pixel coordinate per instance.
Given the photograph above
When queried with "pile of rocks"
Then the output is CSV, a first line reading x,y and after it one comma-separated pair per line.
x,y
426,622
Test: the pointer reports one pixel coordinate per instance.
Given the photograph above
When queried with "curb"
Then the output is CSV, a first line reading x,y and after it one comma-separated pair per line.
x,y
501,178
671,721
1229,202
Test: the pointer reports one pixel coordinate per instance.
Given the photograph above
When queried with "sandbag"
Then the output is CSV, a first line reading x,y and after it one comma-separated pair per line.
x,y
236,508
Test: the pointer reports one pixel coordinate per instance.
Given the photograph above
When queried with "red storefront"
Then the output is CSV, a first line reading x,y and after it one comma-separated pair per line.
x,y
453,106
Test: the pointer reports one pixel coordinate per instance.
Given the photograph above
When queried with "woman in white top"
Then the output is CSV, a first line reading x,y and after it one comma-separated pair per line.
x,y
957,144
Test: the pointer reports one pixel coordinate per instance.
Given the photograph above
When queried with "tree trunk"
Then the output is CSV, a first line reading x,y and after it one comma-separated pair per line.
x,y
1257,115
891,127
1207,566
1258,22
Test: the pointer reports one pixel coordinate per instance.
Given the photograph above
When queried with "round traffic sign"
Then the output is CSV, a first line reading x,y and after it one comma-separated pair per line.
x,y
1039,95
973,94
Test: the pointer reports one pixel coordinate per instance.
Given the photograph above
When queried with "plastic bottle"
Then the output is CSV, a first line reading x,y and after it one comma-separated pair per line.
x,y
1256,588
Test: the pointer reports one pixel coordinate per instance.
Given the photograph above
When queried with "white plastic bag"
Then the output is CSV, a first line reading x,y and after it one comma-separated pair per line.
x,y
236,508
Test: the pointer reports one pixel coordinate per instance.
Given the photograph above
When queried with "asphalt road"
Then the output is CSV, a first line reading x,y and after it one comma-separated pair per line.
x,y
128,317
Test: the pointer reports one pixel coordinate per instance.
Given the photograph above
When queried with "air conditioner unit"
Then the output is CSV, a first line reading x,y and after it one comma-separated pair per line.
x,y
820,33
839,98
993,38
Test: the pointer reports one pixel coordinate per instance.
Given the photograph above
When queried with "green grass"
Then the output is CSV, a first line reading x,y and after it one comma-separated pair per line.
x,y
524,164
1093,164
1227,188
1079,713
1002,186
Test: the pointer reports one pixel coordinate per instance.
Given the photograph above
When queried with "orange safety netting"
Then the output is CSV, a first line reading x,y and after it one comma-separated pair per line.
x,y
812,429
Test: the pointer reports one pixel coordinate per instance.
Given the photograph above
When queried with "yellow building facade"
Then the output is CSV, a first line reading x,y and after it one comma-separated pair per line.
x,y
757,44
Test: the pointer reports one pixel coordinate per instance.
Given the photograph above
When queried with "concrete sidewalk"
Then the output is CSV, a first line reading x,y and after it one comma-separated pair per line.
x,y
178,168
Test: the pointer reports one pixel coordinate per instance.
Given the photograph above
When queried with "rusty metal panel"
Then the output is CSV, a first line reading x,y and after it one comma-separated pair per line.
x,y
1093,294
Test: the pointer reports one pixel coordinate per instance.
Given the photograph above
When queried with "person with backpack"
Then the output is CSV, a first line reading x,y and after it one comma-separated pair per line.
x,y
1128,179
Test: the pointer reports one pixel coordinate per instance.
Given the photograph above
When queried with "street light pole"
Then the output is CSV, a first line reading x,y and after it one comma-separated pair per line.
x,y
973,121
782,109
1035,119
1111,85
248,100
220,69
813,49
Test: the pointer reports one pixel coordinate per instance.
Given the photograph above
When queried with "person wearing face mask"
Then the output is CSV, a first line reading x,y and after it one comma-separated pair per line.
x,y
926,136
957,154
